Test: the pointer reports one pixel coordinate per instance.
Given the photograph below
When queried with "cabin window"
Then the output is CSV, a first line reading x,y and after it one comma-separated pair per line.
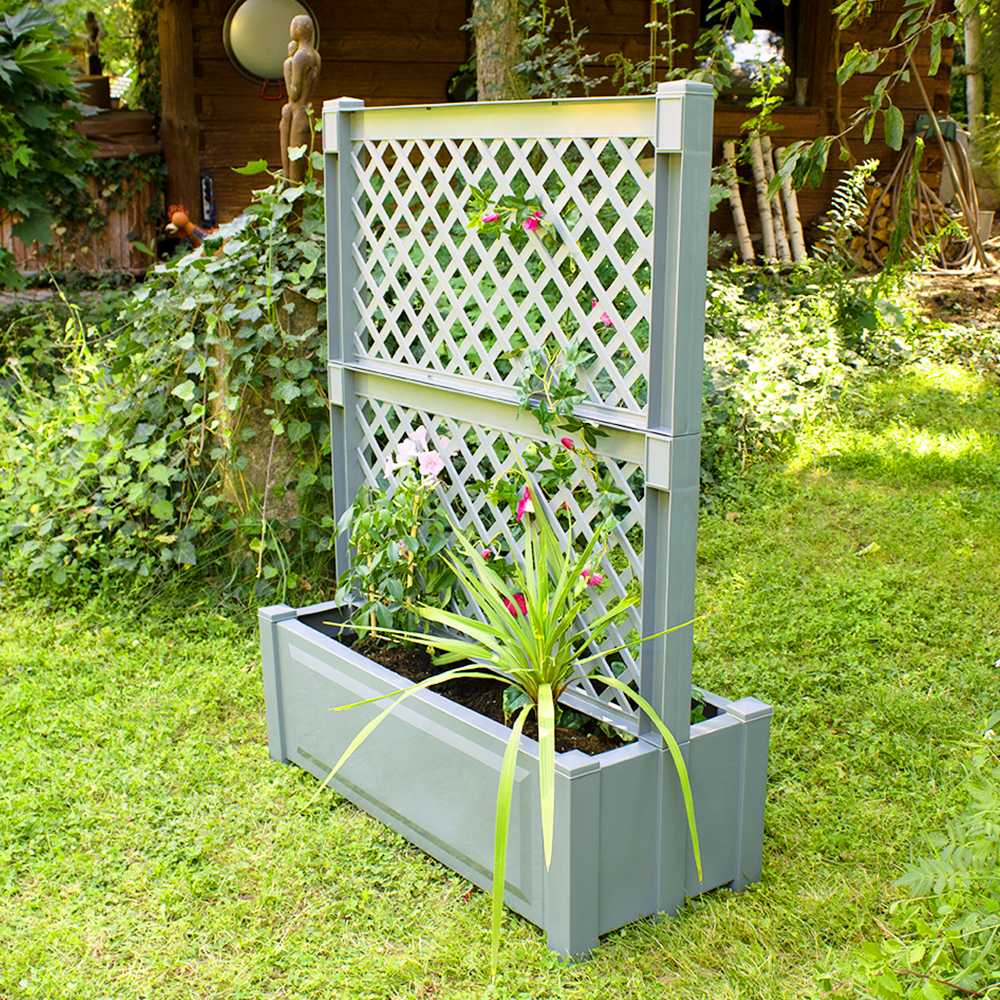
x,y
772,46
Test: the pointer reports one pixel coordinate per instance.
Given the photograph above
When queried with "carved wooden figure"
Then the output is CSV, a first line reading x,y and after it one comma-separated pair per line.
x,y
301,75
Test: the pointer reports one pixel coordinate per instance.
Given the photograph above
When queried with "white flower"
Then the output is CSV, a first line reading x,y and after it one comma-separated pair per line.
x,y
431,464
989,735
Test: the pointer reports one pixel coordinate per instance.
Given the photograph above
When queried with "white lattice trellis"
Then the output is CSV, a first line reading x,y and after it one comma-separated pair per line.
x,y
423,312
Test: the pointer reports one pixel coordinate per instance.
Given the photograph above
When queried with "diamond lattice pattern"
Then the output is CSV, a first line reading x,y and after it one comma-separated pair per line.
x,y
434,295
475,453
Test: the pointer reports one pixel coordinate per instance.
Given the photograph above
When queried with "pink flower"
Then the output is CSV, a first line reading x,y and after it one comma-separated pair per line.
x,y
524,505
532,222
431,464
606,319
489,216
521,603
567,443
593,579
487,553
419,438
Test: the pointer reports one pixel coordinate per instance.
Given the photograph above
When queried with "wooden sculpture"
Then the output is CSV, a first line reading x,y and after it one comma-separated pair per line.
x,y
301,75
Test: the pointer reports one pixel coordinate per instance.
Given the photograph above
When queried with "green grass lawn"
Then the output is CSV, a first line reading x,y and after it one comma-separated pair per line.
x,y
149,847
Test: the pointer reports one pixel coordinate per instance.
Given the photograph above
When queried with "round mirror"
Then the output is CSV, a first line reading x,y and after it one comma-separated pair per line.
x,y
255,35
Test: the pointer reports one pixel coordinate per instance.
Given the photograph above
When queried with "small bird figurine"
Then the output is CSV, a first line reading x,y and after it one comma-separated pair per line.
x,y
181,227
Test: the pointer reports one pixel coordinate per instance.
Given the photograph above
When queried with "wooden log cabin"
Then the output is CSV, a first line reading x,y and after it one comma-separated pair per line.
x,y
407,51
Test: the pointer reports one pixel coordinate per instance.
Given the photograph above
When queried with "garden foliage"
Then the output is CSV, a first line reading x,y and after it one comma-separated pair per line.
x,y
41,153
191,429
944,934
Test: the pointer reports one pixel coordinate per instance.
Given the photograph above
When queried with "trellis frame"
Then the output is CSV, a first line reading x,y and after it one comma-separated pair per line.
x,y
666,438
727,754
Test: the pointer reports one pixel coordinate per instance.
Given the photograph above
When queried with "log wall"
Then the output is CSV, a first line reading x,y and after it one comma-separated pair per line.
x,y
405,51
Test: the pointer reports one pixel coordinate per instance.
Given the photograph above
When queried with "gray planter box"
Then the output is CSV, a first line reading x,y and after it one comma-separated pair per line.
x,y
430,772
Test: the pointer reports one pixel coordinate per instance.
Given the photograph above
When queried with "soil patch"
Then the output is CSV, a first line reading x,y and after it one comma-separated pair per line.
x,y
482,696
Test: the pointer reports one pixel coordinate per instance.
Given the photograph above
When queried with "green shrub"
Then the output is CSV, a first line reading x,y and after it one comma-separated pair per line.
x,y
781,346
41,153
178,435
944,938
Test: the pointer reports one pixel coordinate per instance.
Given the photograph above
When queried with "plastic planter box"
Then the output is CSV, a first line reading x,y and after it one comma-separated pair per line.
x,y
422,313
430,772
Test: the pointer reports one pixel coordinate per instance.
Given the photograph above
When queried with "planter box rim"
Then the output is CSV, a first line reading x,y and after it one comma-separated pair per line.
x,y
571,762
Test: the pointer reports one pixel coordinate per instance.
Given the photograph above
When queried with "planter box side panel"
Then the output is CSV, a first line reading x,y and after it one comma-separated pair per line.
x,y
629,837
428,775
715,759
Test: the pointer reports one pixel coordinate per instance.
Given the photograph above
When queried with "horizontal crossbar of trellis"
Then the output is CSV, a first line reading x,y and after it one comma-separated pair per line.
x,y
423,312
590,118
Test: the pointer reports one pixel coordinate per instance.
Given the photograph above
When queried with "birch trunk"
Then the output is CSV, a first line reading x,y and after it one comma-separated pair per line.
x,y
792,218
778,217
974,101
736,203
763,205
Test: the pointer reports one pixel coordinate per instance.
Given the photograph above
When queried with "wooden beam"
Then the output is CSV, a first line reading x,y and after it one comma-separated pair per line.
x,y
179,121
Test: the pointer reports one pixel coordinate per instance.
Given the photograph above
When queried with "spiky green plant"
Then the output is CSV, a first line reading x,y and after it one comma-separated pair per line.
x,y
531,635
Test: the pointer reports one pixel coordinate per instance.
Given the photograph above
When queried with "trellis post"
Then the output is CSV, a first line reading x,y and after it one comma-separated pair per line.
x,y
683,150
341,313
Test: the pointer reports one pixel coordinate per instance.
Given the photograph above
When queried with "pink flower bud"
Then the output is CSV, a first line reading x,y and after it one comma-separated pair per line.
x,y
567,443
490,216
521,607
487,553
530,224
524,505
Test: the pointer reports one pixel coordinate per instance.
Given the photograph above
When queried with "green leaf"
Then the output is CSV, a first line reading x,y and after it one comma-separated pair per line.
x,y
547,767
162,510
251,168
184,391
160,474
501,834
894,126
286,391
35,228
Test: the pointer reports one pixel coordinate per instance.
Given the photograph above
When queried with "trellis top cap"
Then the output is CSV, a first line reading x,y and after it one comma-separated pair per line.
x,y
673,88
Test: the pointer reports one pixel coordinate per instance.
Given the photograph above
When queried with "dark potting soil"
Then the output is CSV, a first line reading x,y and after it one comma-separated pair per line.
x,y
482,696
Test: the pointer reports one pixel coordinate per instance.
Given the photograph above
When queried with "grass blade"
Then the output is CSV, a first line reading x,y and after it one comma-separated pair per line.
x,y
501,834
675,752
547,767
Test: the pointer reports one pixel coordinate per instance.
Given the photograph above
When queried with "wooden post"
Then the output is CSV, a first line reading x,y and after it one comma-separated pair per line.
x,y
179,120
736,202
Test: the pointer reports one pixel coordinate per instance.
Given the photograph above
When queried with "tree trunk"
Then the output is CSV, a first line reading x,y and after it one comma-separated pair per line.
x,y
763,202
497,27
974,73
179,121
736,202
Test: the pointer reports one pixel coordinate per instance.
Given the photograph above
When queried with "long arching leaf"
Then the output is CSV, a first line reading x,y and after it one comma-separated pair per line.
x,y
501,833
675,752
547,767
